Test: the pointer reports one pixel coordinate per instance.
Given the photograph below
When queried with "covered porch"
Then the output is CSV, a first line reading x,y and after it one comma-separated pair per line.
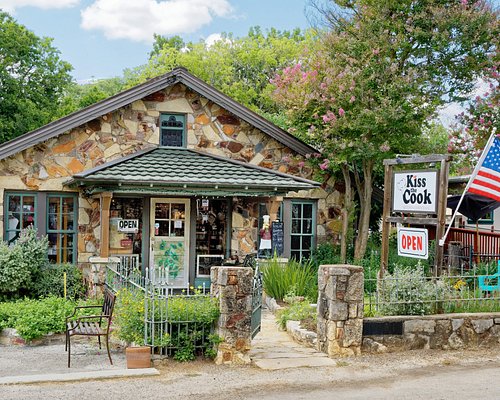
x,y
180,211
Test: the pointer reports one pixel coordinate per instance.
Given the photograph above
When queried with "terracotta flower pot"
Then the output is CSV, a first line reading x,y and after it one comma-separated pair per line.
x,y
138,357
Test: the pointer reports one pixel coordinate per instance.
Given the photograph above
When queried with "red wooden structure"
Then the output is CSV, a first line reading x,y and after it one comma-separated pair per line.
x,y
485,245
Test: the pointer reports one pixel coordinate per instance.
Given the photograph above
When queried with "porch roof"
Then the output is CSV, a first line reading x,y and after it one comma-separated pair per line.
x,y
168,169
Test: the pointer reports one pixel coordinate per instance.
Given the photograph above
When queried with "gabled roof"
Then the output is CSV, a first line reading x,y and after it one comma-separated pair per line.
x,y
169,167
177,75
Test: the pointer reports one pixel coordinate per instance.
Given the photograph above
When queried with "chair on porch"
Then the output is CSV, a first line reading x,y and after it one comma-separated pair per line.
x,y
486,284
96,324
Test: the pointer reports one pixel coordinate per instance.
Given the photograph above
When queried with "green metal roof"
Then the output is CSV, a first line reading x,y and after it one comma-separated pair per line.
x,y
190,170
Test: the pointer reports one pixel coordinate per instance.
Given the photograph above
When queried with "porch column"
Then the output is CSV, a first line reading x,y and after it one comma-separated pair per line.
x,y
233,288
273,205
105,205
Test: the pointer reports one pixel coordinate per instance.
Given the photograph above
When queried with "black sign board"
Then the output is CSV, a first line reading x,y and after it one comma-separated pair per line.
x,y
277,238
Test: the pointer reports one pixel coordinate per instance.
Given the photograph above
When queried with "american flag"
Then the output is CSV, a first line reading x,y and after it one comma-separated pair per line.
x,y
487,180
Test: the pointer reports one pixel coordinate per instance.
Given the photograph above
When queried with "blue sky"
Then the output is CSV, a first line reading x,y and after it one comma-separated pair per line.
x,y
101,38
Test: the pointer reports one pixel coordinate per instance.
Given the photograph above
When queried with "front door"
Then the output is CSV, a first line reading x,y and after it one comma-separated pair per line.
x,y
170,241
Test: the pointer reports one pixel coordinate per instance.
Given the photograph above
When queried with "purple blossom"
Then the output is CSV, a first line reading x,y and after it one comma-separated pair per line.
x,y
341,112
325,164
329,117
301,164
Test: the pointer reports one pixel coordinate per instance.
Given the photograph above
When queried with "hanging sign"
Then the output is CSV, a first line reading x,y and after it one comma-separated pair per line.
x,y
415,192
413,242
128,225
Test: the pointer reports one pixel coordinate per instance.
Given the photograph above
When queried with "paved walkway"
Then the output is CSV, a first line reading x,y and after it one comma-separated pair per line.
x,y
273,349
33,364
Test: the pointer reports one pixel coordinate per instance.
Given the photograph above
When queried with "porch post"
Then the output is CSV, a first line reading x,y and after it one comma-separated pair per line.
x,y
105,205
273,205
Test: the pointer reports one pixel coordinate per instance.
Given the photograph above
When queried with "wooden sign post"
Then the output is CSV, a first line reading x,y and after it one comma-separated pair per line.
x,y
417,198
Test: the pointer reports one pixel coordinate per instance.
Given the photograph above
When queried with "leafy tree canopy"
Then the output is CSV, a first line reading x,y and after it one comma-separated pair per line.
x,y
32,79
381,72
239,67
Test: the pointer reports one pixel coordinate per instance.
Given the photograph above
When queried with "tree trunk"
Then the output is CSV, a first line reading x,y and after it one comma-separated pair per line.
x,y
345,212
364,187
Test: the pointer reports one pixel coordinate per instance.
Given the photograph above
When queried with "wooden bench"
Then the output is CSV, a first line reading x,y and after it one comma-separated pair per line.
x,y
96,324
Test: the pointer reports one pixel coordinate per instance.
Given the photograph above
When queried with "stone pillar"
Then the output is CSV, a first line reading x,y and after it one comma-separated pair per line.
x,y
233,288
340,309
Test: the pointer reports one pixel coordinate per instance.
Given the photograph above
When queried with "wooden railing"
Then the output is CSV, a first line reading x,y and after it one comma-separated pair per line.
x,y
483,244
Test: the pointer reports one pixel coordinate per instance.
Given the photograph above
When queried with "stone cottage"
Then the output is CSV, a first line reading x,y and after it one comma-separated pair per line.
x,y
169,173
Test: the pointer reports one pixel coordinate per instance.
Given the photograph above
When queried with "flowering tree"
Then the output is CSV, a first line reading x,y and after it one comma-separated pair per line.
x,y
377,77
476,125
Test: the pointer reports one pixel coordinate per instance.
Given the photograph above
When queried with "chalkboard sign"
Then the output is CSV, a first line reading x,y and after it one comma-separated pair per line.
x,y
277,238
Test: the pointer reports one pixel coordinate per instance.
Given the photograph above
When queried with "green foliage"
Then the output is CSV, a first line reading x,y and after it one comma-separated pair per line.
x,y
325,253
407,291
281,278
50,281
188,319
35,318
213,343
239,67
21,262
32,79
79,96
297,311
129,316
364,93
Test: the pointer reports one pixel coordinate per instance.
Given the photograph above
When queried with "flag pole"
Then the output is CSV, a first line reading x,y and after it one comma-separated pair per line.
x,y
471,179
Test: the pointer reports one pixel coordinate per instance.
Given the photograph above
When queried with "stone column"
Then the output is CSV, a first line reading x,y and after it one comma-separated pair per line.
x,y
233,287
340,309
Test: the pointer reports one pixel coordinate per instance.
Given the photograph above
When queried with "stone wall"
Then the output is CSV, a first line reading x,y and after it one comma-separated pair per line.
x,y
233,287
340,309
210,128
444,331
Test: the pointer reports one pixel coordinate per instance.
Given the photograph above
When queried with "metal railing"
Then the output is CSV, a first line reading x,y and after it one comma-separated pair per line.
x,y
414,292
177,321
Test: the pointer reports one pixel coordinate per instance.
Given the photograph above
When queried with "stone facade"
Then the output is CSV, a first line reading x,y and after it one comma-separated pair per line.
x,y
340,309
210,128
444,331
233,287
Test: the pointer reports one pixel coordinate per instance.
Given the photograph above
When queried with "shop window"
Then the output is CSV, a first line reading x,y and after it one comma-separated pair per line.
x,y
172,130
21,210
52,214
302,229
125,228
211,234
61,228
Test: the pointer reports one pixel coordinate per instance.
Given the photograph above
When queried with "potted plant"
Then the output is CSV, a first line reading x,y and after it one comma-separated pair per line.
x,y
129,322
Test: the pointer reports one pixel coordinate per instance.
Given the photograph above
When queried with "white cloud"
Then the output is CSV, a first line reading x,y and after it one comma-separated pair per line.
x,y
212,38
11,5
137,20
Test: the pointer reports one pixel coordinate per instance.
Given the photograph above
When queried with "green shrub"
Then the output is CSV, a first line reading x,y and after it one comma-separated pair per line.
x,y
279,279
21,262
407,291
186,322
326,253
35,318
297,311
50,281
129,316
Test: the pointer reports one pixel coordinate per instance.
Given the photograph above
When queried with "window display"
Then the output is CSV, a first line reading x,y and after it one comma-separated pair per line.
x,y
125,226
211,230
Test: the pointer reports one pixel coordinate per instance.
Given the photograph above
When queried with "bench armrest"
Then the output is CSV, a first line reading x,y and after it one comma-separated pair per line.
x,y
81,307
